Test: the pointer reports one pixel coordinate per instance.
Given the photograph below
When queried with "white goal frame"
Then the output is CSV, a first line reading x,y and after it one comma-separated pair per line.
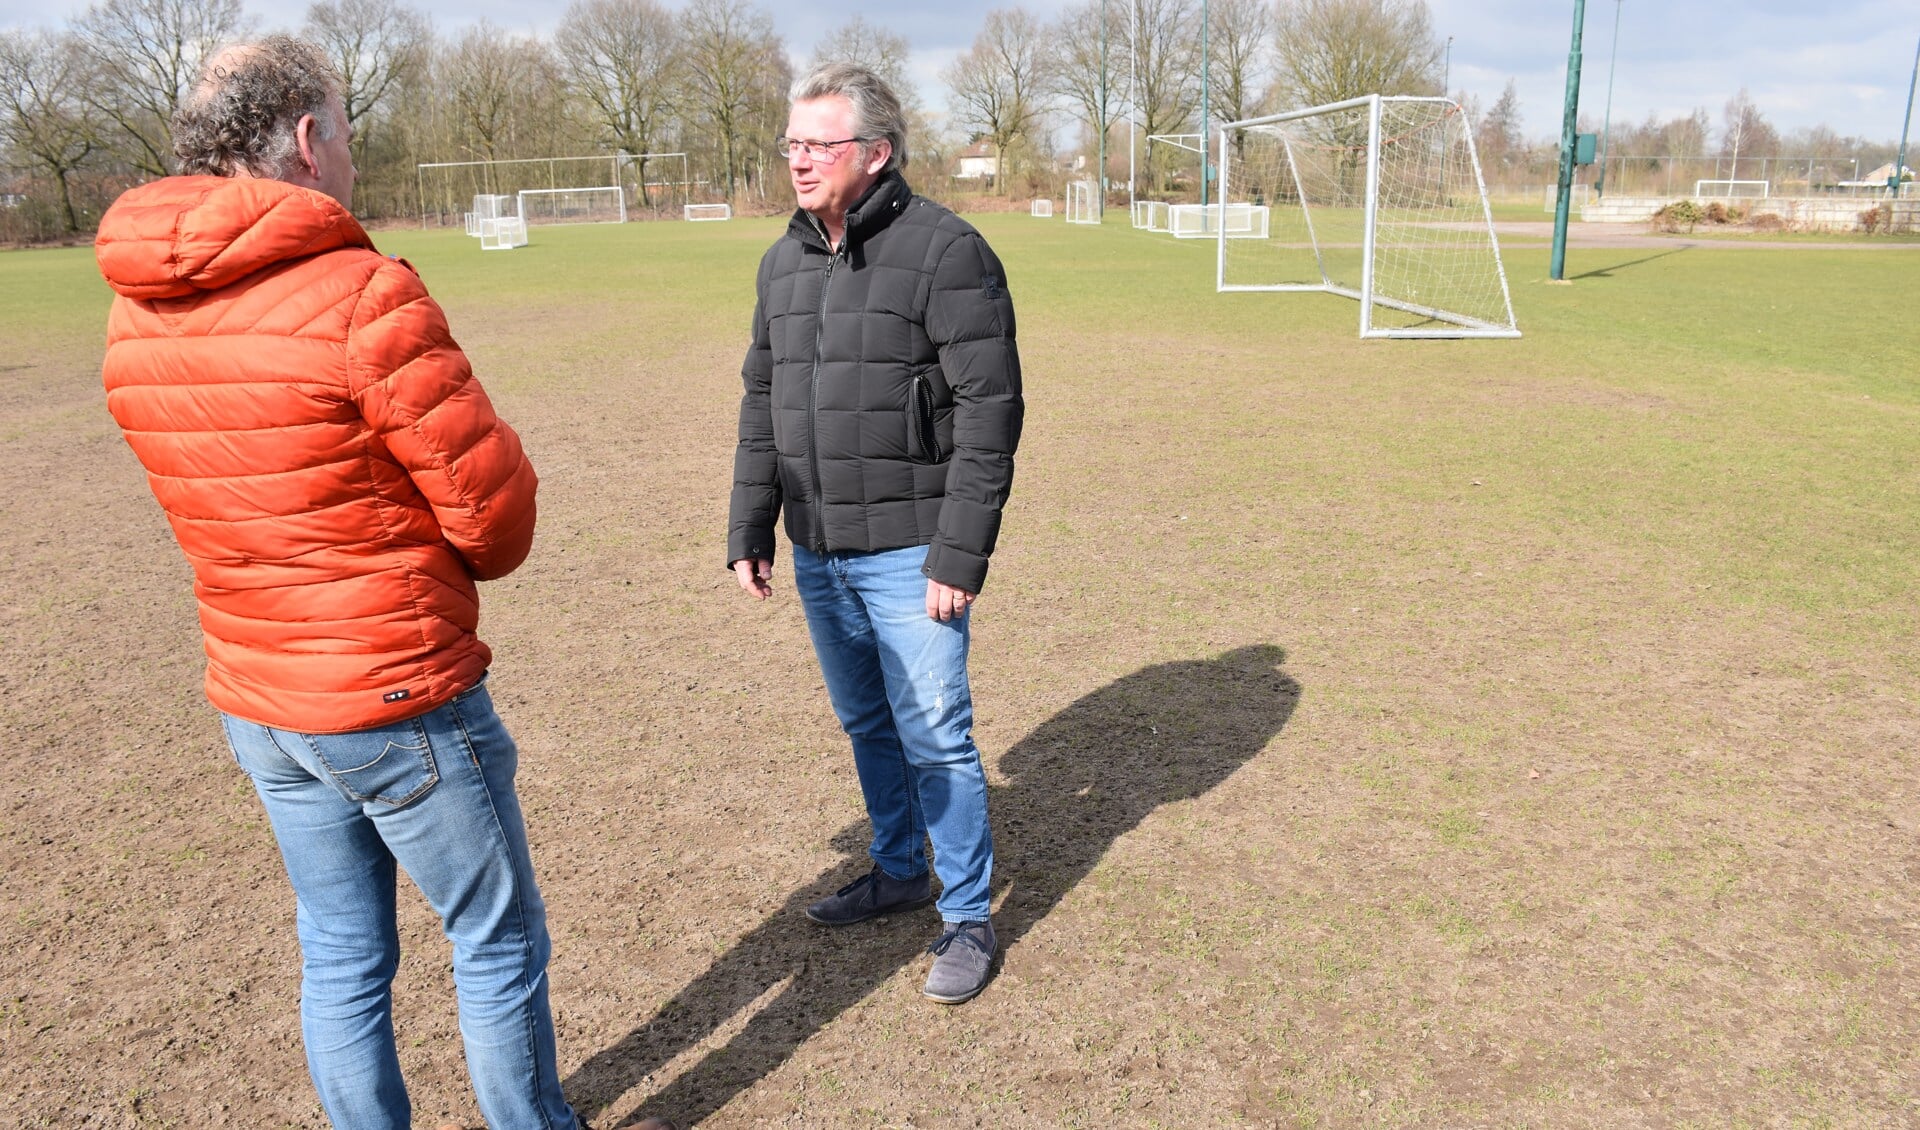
x,y
1042,209
706,213
1732,189
560,195
1578,196
1080,203
1427,249
503,233
1150,215
1227,220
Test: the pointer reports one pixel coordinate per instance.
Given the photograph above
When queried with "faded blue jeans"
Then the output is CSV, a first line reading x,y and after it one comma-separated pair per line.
x,y
898,681
432,795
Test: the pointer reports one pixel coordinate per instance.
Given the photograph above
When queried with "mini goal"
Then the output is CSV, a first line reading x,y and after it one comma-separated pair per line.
x,y
1578,196
503,234
1081,206
1731,189
1205,221
600,204
1150,215
1378,199
707,212
1043,209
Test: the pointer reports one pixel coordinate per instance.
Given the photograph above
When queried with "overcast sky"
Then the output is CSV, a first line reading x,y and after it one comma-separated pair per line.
x,y
1844,63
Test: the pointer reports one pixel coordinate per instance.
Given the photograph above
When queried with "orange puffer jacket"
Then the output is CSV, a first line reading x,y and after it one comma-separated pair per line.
x,y
332,470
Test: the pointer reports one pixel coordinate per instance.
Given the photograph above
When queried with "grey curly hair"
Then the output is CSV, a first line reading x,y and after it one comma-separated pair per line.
x,y
241,114
876,109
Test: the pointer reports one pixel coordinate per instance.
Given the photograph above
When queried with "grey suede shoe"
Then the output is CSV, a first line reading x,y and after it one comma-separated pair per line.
x,y
962,962
870,896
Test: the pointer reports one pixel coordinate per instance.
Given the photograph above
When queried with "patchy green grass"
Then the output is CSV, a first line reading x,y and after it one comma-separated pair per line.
x,y
1388,733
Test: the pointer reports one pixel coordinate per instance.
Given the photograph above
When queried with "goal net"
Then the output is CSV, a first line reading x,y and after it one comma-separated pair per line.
x,y
598,204
707,212
1205,221
1150,215
1379,199
1043,209
503,234
1081,208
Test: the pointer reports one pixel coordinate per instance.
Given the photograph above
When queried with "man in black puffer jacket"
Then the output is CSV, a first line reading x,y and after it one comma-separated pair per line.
x,y
881,413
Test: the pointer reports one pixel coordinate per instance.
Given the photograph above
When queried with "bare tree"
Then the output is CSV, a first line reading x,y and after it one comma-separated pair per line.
x,y
881,51
1000,85
377,45
731,49
1240,36
1094,88
1165,76
1498,138
146,53
44,116
1333,50
1747,132
622,58
494,81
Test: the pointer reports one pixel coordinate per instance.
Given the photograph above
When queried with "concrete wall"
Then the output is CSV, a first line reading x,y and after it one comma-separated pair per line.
x,y
1800,213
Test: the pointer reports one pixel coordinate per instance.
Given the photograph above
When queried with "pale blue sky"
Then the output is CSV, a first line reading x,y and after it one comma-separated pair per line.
x,y
1842,62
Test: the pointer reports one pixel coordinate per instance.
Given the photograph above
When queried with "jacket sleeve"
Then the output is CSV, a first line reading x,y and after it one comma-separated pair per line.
x,y
755,502
970,321
418,393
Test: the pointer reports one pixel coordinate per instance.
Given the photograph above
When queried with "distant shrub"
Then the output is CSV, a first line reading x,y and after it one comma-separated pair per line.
x,y
1878,218
1680,213
1769,222
1716,213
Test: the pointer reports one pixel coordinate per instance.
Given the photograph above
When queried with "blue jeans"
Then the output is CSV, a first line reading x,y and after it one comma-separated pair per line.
x,y
434,795
898,680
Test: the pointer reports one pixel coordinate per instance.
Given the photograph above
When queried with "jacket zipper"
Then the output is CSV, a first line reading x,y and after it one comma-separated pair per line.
x,y
813,405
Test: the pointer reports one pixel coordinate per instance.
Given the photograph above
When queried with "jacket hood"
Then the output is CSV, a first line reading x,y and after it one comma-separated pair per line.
x,y
171,237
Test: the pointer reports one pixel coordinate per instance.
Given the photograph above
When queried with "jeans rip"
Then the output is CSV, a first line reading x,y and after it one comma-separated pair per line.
x,y
392,765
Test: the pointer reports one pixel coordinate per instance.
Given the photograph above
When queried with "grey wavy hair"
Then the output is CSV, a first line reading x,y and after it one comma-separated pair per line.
x,y
241,114
876,109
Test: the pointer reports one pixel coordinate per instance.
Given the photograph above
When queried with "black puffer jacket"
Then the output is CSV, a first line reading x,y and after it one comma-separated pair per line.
x,y
882,402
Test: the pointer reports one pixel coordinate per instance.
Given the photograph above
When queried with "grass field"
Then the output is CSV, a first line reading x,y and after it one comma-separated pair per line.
x,y
1408,734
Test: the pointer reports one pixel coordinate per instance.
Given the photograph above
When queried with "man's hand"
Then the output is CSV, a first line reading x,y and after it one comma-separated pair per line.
x,y
755,577
944,602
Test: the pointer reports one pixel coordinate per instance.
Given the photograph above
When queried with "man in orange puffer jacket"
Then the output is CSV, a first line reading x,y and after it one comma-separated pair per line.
x,y
339,481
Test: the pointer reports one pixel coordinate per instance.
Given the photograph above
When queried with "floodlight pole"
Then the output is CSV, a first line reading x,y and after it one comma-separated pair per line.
x,y
1900,162
1446,70
1606,121
1206,65
1569,128
1100,171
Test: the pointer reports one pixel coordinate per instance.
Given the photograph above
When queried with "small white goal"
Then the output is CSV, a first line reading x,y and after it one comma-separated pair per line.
x,y
707,212
1731,189
503,234
1081,205
1150,215
1043,209
1206,221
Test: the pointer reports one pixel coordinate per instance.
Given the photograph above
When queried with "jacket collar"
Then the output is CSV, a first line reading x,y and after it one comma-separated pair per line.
x,y
876,208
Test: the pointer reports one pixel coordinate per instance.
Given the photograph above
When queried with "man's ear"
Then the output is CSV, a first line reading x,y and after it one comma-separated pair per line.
x,y
303,137
882,153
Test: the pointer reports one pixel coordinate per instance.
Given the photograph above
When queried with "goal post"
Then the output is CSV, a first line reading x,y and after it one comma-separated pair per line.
x,y
1378,199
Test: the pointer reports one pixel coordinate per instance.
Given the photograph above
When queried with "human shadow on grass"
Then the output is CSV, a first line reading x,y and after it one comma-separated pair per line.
x,y
1080,781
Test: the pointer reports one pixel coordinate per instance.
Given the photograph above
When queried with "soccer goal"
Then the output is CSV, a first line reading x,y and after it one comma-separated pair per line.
x,y
503,234
707,212
1205,221
600,204
1731,189
1081,206
1379,199
1043,209
1150,215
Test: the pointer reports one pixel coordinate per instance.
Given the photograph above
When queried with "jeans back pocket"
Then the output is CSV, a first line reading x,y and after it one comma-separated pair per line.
x,y
391,765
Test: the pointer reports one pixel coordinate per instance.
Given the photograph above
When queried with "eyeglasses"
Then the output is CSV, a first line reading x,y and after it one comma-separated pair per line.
x,y
824,152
